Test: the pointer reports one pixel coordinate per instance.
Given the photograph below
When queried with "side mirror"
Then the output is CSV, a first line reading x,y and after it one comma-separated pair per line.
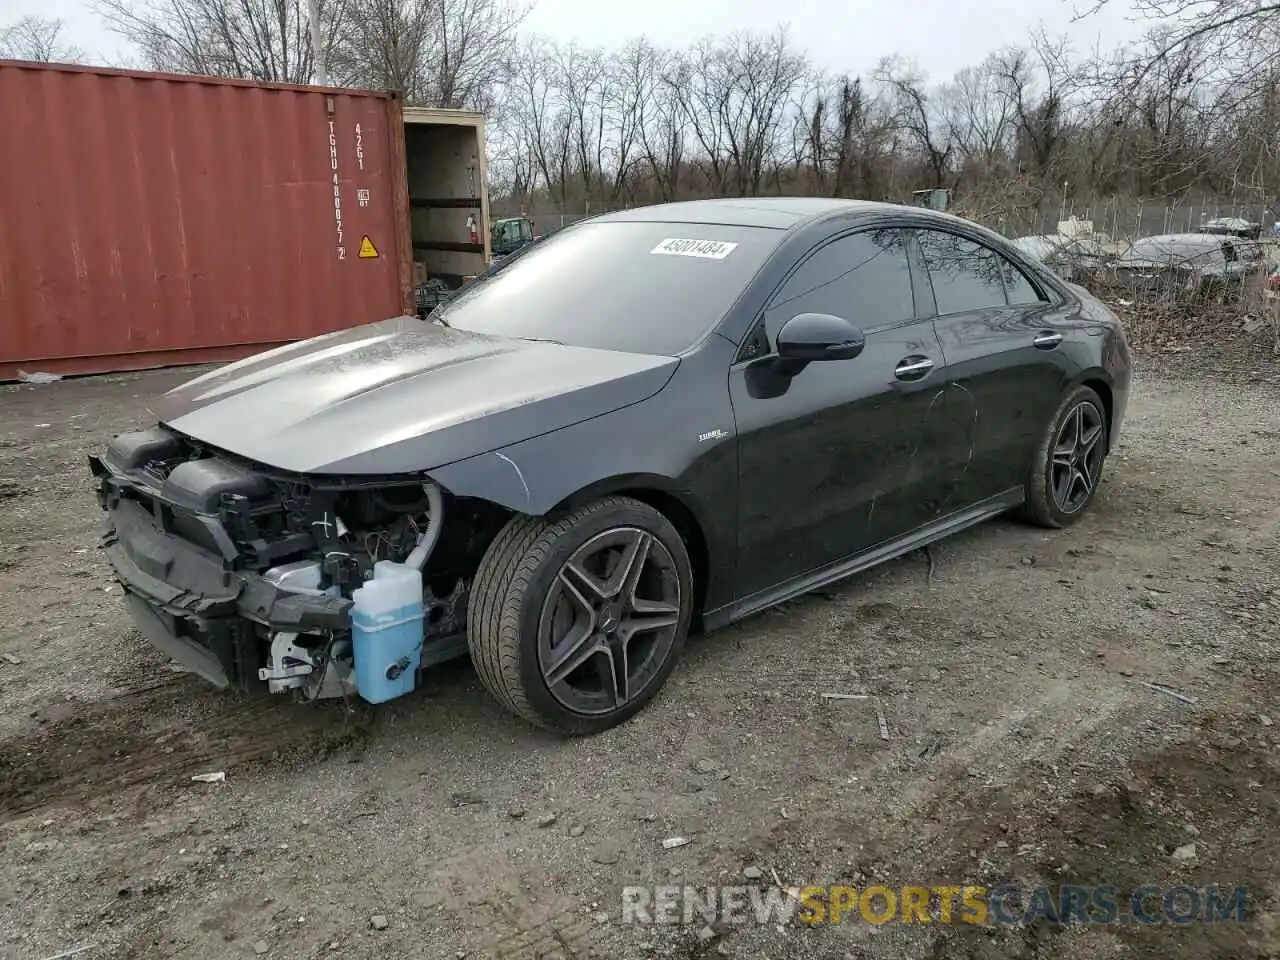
x,y
819,336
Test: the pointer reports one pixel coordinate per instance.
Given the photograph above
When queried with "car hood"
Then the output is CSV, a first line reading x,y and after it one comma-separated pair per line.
x,y
402,396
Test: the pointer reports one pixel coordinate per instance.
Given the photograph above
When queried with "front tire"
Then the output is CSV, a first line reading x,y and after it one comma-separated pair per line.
x,y
575,624
1068,464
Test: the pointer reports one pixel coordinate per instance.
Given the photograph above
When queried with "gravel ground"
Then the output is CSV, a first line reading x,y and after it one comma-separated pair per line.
x,y
1023,744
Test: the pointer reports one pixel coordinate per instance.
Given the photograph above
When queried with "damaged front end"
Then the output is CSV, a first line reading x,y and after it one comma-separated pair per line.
x,y
247,575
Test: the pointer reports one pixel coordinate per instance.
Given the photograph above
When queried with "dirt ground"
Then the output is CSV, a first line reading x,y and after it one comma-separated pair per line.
x,y
1023,742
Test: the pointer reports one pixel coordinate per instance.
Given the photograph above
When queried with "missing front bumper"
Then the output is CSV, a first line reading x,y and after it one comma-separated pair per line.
x,y
165,633
175,532
189,605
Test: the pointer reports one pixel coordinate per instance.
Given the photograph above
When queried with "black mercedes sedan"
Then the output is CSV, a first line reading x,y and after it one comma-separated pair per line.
x,y
655,420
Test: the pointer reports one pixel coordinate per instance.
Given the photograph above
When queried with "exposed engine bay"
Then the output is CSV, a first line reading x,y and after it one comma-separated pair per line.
x,y
244,573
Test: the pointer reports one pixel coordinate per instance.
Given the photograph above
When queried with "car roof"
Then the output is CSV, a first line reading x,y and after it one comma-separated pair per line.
x,y
778,213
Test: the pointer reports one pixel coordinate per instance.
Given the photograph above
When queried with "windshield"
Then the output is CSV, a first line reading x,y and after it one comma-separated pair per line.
x,y
640,287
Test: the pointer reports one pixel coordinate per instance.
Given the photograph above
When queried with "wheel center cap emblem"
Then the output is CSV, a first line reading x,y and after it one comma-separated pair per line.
x,y
609,624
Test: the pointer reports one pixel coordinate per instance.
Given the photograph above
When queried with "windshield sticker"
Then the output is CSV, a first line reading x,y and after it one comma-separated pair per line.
x,y
706,249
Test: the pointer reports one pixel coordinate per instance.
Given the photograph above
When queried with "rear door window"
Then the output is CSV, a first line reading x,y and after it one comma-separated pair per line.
x,y
968,276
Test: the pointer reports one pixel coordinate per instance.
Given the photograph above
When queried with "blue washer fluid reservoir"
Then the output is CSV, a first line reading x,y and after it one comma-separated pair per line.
x,y
386,631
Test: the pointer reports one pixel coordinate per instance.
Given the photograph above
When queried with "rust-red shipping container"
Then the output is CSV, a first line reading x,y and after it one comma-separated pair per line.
x,y
151,219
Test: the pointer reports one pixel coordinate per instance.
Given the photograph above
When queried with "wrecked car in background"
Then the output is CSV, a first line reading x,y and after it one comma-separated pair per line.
x,y
667,415
1232,227
1189,263
1077,259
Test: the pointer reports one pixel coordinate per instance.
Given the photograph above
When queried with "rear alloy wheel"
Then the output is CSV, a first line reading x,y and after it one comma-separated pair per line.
x,y
1068,467
574,625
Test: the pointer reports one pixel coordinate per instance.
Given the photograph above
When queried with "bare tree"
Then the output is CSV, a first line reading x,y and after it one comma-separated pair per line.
x,y
699,85
980,115
1038,84
660,126
733,95
1242,35
541,119
846,134
586,87
471,45
449,53
252,39
38,39
383,45
632,85
918,116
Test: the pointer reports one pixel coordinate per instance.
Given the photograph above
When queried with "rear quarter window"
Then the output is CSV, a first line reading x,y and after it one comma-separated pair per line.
x,y
1020,290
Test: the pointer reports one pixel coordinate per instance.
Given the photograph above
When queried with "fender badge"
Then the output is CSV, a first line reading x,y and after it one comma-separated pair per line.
x,y
716,434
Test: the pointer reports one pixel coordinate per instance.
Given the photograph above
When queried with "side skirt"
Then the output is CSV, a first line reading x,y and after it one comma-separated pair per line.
x,y
840,569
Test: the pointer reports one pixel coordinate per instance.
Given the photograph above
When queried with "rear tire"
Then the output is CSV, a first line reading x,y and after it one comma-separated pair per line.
x,y
1067,467
574,625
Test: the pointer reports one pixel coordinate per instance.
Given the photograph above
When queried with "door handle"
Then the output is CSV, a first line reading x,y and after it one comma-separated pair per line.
x,y
1047,340
912,368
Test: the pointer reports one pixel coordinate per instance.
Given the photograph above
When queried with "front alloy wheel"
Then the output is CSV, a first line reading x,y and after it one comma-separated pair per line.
x,y
609,621
574,625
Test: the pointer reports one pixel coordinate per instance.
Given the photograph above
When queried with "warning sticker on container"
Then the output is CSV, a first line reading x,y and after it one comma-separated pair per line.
x,y
367,250
706,249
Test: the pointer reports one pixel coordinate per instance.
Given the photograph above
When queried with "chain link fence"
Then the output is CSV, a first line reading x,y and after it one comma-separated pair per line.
x,y
1119,219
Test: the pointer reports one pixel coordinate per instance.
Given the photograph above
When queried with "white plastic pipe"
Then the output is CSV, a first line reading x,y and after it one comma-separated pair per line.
x,y
427,539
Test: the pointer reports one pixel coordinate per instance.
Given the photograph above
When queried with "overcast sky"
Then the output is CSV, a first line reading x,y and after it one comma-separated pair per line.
x,y
942,35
